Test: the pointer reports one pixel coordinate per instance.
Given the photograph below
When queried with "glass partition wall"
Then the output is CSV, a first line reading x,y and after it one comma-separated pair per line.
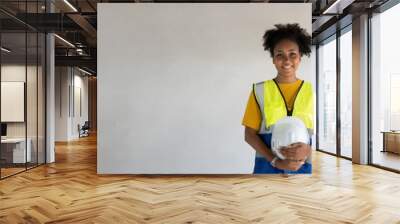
x,y
346,92
326,110
334,111
334,91
22,77
13,91
385,90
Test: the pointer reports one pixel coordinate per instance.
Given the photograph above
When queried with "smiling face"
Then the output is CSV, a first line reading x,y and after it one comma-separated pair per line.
x,y
287,59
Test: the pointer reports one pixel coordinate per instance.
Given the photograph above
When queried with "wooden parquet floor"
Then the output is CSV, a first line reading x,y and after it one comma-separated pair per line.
x,y
70,191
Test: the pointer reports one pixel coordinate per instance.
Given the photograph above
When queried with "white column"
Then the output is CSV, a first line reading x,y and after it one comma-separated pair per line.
x,y
50,82
50,92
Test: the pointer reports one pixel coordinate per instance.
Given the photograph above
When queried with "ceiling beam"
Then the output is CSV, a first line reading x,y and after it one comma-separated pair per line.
x,y
86,26
84,61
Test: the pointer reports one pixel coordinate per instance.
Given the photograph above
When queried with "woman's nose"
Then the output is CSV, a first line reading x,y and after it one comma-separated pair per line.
x,y
285,58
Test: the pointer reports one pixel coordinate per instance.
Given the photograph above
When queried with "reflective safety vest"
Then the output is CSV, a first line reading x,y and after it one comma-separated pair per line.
x,y
273,106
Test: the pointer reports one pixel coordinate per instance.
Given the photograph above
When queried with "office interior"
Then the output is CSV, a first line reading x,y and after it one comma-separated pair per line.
x,y
49,79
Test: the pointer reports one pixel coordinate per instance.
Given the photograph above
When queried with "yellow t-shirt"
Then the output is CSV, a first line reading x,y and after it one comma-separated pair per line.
x,y
252,116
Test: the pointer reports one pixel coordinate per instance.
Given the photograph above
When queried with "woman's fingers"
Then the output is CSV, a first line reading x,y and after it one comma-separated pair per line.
x,y
294,165
289,153
290,165
296,151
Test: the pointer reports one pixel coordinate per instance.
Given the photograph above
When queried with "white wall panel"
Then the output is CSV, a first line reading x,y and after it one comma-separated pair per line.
x,y
174,79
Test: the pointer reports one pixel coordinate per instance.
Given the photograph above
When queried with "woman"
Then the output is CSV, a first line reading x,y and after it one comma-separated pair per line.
x,y
285,95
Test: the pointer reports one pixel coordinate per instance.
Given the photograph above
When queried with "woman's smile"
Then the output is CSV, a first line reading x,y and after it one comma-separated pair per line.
x,y
287,67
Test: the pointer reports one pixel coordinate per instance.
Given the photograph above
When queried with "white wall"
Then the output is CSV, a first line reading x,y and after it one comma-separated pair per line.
x,y
79,117
62,80
12,101
18,73
173,85
67,80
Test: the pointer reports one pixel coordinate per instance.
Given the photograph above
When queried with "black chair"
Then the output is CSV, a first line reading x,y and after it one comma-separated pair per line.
x,y
84,130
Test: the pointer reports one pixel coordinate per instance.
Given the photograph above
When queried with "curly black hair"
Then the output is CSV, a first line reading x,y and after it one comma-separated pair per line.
x,y
291,31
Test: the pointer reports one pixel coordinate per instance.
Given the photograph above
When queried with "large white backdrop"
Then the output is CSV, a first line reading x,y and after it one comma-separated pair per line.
x,y
174,80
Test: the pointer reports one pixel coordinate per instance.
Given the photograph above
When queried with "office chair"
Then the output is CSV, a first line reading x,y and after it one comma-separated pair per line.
x,y
84,130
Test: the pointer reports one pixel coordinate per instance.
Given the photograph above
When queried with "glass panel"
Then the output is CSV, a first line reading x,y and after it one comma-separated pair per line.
x,y
7,23
385,89
41,98
13,87
346,94
327,97
23,89
31,101
14,5
41,6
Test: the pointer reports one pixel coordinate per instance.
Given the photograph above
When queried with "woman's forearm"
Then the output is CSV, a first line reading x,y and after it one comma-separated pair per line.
x,y
252,138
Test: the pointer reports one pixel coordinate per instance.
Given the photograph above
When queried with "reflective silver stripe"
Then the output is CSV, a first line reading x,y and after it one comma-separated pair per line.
x,y
259,93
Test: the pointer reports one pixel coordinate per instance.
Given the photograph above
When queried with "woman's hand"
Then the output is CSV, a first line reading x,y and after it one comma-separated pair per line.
x,y
296,151
288,164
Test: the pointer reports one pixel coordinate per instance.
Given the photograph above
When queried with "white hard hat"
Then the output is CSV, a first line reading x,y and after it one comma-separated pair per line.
x,y
286,131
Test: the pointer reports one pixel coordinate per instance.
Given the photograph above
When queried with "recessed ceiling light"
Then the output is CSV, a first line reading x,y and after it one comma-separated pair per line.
x,y
64,40
70,5
337,7
84,71
5,50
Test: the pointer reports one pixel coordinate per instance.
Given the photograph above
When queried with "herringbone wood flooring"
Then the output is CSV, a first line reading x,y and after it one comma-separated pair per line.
x,y
70,191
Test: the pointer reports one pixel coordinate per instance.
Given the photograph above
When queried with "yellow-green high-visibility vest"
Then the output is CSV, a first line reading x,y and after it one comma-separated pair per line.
x,y
273,105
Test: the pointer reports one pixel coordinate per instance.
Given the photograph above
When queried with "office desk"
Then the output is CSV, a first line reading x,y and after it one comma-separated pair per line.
x,y
391,141
13,150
